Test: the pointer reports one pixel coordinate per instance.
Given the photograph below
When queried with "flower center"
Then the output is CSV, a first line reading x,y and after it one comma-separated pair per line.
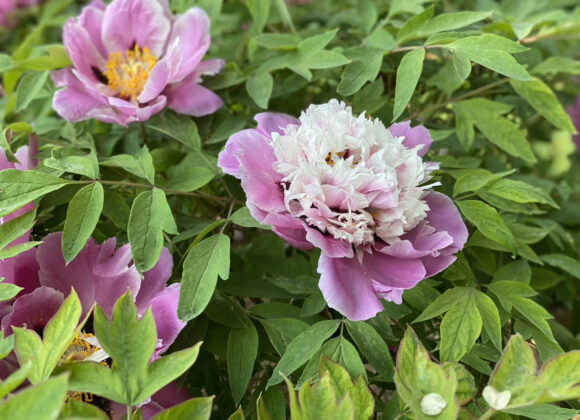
x,y
127,72
84,348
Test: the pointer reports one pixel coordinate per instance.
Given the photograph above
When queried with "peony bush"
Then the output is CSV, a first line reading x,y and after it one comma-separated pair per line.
x,y
272,209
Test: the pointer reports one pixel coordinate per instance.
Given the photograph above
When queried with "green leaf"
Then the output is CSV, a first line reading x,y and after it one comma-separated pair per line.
x,y
545,102
417,376
342,383
29,88
563,262
555,65
41,402
78,410
301,349
188,179
87,165
15,379
259,87
490,316
460,328
277,41
466,387
493,52
242,353
486,116
408,75
451,21
489,223
238,415
16,228
372,346
242,217
259,9
58,334
543,412
150,216
520,192
8,291
475,180
130,340
282,331
194,409
6,135
18,188
82,217
178,127
203,264
364,68
443,303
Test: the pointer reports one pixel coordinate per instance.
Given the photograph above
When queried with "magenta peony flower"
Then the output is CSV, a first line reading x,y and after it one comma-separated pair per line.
x,y
99,274
574,112
133,58
354,189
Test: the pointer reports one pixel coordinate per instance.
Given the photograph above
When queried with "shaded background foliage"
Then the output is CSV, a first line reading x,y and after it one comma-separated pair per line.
x,y
489,79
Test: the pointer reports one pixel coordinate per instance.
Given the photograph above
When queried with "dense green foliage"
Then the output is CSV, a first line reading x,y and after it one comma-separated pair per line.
x,y
489,79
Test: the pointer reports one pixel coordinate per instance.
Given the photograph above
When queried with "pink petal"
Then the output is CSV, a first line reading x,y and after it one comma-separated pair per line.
x,y
164,308
82,50
255,156
444,216
347,289
189,39
34,310
155,280
189,98
393,272
415,136
273,122
331,247
130,22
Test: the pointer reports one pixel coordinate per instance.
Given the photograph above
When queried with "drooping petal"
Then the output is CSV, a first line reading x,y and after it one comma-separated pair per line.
x,y
434,265
574,112
155,280
273,122
164,308
444,216
34,310
393,272
284,225
188,97
331,247
414,136
130,22
347,289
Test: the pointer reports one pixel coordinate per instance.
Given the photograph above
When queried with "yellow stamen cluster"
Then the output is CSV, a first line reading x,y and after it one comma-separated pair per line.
x,y
79,350
128,72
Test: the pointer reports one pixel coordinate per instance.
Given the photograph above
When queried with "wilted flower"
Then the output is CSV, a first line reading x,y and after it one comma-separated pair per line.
x,y
133,58
354,189
574,112
7,7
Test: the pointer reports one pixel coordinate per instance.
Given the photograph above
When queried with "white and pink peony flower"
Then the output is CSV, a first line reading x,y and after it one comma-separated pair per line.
x,y
355,189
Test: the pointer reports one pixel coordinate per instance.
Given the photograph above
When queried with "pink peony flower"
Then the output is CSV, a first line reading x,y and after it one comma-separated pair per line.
x,y
133,58
354,189
574,112
100,275
7,7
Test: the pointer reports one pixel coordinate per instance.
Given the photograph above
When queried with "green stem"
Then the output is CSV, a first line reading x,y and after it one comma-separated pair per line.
x,y
167,191
129,413
488,414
